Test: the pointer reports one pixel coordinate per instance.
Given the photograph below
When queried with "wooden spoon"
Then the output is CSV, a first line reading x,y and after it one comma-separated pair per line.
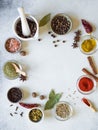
x,y
18,70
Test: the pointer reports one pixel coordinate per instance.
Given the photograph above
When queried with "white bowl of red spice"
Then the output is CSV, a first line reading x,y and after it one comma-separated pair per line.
x,y
13,45
88,44
63,111
86,84
61,24
33,25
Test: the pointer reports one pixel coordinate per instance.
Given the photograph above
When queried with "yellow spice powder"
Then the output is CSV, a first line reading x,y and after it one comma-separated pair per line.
x,y
88,45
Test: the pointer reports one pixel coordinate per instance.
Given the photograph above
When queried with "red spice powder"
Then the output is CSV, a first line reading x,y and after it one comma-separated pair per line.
x,y
86,84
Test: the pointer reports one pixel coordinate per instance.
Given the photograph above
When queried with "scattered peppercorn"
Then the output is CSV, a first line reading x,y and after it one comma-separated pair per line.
x,y
53,35
22,53
49,32
58,40
42,97
55,45
39,39
34,94
63,41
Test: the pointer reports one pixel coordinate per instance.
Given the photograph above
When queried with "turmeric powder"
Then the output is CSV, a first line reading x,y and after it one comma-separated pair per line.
x,y
88,45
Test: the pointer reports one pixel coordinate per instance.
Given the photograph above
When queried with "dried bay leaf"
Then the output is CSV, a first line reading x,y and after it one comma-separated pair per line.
x,y
52,94
45,20
52,101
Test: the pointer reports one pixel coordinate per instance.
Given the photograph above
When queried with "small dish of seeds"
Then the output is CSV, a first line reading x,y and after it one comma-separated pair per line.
x,y
36,115
61,24
63,111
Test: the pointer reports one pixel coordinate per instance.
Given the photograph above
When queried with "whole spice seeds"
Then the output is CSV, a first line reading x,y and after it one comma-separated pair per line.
x,y
76,39
34,94
32,26
23,78
60,24
35,115
23,53
88,28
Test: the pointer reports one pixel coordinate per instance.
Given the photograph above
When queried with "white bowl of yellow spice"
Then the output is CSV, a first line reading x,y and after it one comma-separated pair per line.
x,y
88,44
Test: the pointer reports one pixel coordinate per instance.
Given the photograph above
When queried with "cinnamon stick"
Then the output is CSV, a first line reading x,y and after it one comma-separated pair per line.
x,y
90,74
93,67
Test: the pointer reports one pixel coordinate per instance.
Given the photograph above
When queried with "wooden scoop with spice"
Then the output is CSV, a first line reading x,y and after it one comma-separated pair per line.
x,y
89,104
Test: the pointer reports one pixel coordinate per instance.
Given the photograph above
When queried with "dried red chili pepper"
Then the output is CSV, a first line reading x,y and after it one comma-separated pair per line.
x,y
29,105
87,26
86,101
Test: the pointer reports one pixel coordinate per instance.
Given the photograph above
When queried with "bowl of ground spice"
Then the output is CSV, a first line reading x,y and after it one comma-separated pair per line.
x,y
61,24
36,115
88,44
13,45
10,71
14,94
33,25
63,111
86,84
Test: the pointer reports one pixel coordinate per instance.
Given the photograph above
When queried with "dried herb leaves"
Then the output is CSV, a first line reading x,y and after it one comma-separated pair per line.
x,y
53,99
45,20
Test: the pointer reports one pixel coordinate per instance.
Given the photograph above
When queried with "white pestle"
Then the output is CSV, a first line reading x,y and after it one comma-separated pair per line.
x,y
25,26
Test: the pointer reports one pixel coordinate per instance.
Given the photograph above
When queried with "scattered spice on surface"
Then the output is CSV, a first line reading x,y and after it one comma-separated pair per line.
x,y
58,40
76,39
23,78
21,114
55,45
53,35
23,53
11,105
15,113
16,108
11,114
49,32
39,39
54,41
63,41
34,94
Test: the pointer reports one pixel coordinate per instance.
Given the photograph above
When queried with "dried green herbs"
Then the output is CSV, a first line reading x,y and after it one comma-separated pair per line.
x,y
45,20
53,99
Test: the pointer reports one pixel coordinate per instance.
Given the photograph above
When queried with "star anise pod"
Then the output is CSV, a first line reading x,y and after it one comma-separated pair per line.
x,y
78,32
22,77
74,45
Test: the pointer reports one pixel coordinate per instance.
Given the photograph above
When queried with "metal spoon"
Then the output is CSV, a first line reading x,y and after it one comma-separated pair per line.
x,y
18,70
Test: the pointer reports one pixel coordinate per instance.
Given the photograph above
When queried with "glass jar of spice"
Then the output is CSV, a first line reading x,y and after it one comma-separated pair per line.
x,y
63,111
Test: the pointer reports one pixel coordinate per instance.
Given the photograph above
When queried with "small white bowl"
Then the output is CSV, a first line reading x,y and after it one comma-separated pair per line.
x,y
86,85
34,112
30,38
68,19
87,37
63,111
